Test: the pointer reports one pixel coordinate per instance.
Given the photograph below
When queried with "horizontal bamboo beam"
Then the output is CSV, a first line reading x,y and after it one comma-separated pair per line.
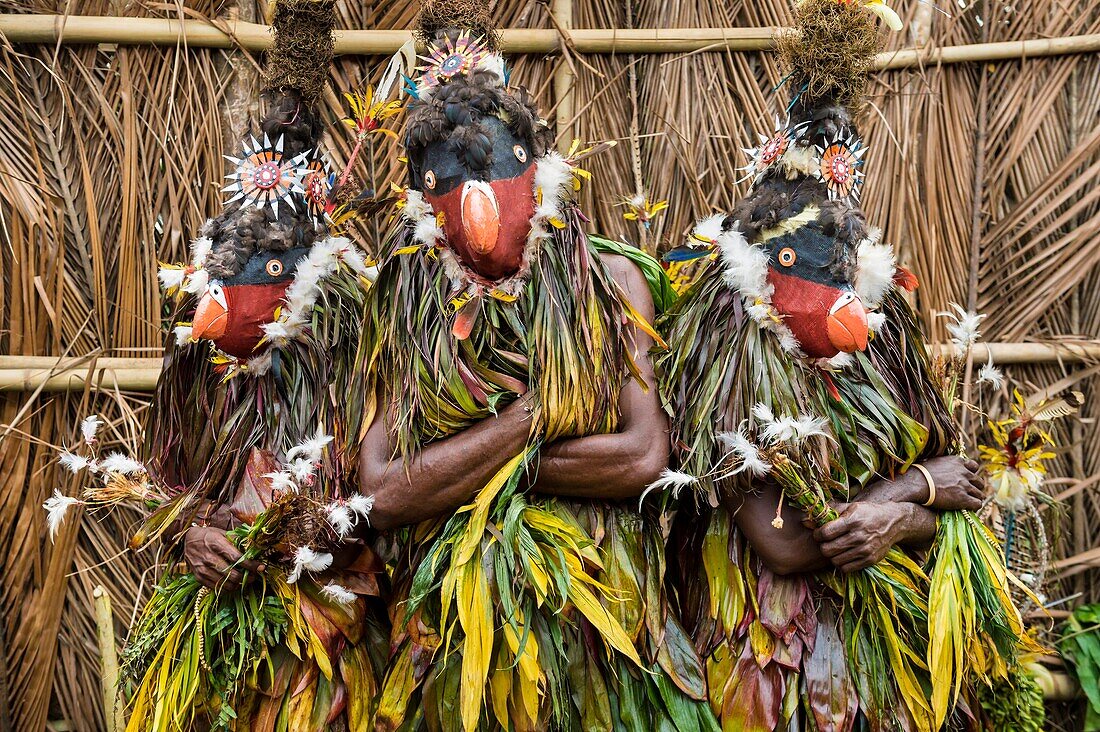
x,y
1031,353
27,373
88,29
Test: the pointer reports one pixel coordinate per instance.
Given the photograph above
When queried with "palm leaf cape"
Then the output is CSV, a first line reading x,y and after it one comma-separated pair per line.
x,y
756,393
269,431
520,611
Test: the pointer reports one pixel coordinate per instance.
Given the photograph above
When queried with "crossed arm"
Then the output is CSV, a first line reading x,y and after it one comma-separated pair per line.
x,y
447,473
885,514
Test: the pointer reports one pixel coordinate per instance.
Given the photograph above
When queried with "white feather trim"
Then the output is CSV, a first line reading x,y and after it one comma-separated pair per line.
x,y
183,334
876,321
171,278
416,207
494,64
259,365
800,160
841,360
746,266
707,231
197,283
200,250
875,266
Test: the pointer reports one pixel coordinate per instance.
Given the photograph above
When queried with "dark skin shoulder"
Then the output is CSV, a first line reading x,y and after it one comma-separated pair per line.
x,y
887,513
446,474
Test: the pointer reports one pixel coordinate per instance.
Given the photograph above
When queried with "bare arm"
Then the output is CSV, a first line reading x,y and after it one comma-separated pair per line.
x,y
442,475
886,513
621,464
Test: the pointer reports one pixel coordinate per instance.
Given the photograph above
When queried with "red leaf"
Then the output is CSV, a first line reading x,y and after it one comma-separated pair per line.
x,y
830,692
253,495
781,600
753,696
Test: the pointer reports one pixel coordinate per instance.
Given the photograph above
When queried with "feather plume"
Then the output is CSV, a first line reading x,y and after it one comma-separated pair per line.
x,y
341,519
671,481
990,374
56,507
307,560
746,453
302,469
361,505
338,594
116,462
89,427
282,481
76,463
963,326
311,448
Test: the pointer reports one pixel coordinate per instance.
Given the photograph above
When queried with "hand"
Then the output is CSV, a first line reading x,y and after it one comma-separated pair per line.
x,y
215,561
863,534
959,486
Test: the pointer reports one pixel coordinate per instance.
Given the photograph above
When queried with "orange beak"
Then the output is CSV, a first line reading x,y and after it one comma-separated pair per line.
x,y
211,319
847,324
480,216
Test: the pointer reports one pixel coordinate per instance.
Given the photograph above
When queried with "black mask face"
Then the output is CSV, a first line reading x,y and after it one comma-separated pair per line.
x,y
491,152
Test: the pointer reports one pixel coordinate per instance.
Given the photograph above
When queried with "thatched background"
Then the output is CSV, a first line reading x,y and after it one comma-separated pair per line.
x,y
108,159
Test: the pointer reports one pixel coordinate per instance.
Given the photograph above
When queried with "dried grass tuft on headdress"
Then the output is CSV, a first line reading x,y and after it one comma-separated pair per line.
x,y
439,19
300,56
829,52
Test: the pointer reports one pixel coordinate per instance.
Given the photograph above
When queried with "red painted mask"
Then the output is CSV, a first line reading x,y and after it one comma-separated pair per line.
x,y
232,312
819,306
487,208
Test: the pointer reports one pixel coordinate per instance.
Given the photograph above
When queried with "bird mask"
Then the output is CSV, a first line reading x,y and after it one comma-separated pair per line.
x,y
812,296
233,311
482,190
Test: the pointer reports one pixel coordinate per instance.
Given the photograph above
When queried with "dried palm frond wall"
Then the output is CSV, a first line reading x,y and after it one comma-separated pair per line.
x,y
110,158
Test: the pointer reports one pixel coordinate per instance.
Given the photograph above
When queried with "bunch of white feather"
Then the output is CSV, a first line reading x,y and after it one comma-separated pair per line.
x,y
119,478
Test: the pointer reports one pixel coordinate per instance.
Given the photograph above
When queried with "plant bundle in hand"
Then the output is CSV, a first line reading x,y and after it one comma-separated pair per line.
x,y
194,650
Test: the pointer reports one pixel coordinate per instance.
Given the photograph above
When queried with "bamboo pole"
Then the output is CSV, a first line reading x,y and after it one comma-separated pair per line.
x,y
108,656
88,29
564,83
27,373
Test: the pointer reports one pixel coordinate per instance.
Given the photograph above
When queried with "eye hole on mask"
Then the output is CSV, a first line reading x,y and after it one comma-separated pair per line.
x,y
274,268
429,180
521,154
787,256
